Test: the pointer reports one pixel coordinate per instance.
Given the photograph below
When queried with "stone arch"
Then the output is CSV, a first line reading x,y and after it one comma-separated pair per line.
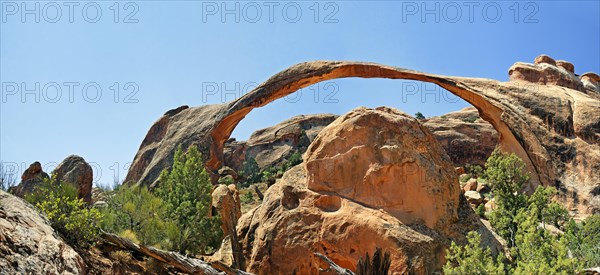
x,y
484,94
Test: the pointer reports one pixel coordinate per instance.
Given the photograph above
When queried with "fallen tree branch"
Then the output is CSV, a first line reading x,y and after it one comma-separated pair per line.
x,y
182,263
258,193
338,269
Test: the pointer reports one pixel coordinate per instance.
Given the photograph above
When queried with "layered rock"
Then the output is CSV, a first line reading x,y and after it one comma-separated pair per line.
x,y
547,71
29,245
554,129
373,178
271,146
31,177
466,137
76,171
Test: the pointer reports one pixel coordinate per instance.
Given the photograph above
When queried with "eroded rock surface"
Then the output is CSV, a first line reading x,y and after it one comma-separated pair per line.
x,y
385,159
466,137
271,146
31,177
29,245
372,178
75,170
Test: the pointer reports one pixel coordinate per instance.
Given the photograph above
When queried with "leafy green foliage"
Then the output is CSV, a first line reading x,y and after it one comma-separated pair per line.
x,y
470,119
520,219
67,214
186,193
137,214
475,171
537,251
253,174
250,172
584,240
419,115
506,174
248,198
472,258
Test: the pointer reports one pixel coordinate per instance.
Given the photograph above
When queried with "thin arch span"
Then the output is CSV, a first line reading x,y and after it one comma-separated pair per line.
x,y
483,94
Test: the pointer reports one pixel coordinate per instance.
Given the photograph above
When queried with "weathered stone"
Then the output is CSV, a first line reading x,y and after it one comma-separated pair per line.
x,y
466,137
75,170
470,185
32,177
226,200
474,197
399,168
29,245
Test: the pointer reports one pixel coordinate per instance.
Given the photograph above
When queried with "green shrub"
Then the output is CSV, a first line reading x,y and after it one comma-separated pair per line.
x,y
67,214
137,214
506,174
248,198
186,192
472,258
419,115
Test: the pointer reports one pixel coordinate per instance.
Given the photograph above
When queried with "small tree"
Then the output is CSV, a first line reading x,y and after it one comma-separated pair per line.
x,y
186,192
419,115
506,173
472,258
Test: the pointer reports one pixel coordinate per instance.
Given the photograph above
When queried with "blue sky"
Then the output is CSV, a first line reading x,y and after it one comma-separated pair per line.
x,y
157,55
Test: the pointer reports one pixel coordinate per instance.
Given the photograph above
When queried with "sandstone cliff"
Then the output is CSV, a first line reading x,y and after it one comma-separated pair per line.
x,y
545,114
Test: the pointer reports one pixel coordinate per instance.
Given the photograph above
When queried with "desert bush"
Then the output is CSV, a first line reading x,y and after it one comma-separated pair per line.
x,y
68,215
136,214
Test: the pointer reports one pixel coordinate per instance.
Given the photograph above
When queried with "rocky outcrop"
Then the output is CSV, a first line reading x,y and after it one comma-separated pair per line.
x,y
29,245
372,178
31,177
547,71
466,137
226,200
399,167
76,171
554,129
273,145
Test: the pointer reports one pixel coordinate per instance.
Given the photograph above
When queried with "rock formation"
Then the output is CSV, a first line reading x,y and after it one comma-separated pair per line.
x,y
29,245
226,200
466,137
555,129
272,145
75,170
31,177
372,178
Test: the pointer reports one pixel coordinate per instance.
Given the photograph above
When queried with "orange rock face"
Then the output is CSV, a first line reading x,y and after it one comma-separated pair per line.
x,y
353,193
399,167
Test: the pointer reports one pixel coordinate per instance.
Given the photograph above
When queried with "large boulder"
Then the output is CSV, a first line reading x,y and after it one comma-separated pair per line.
x,y
75,170
373,178
29,245
399,167
466,137
32,177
